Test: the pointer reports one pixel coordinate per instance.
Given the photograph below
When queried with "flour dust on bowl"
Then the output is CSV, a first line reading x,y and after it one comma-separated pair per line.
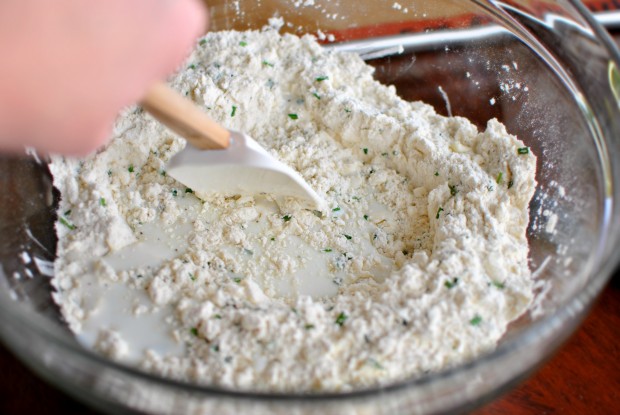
x,y
280,268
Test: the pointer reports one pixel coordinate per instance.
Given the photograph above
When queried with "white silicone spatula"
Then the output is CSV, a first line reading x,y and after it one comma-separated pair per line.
x,y
217,160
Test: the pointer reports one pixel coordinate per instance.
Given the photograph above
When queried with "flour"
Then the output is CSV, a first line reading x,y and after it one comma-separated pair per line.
x,y
418,264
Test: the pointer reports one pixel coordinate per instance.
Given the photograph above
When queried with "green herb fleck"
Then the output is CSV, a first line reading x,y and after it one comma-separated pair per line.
x,y
194,331
317,96
327,250
510,184
347,110
317,213
102,202
374,363
499,177
109,172
273,238
366,217
476,320
130,168
293,116
523,150
217,316
175,192
215,348
266,63
453,190
234,110
192,277
309,326
192,66
286,218
365,150
349,237
67,212
384,154
438,212
163,173
243,43
67,223
498,284
321,78
405,252
436,173
451,284
202,42
342,317
336,209
237,280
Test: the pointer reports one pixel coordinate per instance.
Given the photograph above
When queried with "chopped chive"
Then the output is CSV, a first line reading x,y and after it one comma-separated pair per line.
x,y
523,150
217,316
317,213
317,96
194,331
163,173
286,218
237,280
366,217
130,169
349,237
192,277
216,348
327,250
266,63
109,172
510,184
365,150
499,177
188,190
375,364
202,42
436,173
336,209
174,192
384,154
347,110
273,238
102,201
322,78
451,284
309,326
476,320
293,116
342,317
67,212
192,66
453,190
243,43
66,223
498,284
438,212
234,110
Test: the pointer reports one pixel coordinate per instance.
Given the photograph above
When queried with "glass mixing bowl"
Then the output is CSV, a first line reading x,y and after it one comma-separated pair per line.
x,y
545,69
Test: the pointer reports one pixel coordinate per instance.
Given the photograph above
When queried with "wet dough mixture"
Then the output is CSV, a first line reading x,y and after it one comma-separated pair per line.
x,y
419,262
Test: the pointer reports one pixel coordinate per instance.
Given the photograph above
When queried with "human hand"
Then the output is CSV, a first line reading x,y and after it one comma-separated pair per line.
x,y
69,66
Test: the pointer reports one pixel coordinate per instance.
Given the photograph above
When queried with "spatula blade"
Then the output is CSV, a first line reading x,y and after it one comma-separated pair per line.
x,y
244,168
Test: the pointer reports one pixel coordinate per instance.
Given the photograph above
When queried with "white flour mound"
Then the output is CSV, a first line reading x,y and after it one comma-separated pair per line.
x,y
423,246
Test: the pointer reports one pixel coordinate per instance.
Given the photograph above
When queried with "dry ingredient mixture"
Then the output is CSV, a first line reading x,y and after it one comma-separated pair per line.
x,y
419,263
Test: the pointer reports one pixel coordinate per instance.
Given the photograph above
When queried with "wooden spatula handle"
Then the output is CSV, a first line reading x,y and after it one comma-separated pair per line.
x,y
184,118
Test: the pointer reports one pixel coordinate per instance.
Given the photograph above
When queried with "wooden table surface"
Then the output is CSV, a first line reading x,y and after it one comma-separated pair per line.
x,y
582,378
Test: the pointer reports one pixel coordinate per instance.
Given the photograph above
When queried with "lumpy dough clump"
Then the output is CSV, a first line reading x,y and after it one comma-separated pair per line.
x,y
419,262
